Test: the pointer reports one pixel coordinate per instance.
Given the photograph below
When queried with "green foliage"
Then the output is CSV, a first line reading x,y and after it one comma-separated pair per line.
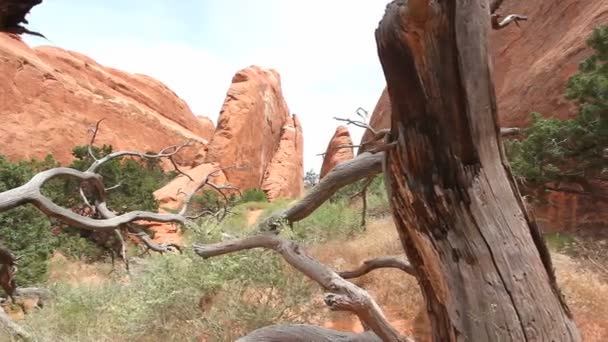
x,y
243,291
207,199
24,230
311,178
553,149
253,195
138,180
27,232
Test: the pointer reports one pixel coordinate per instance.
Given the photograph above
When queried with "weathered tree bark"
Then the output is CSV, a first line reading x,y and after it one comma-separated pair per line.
x,y
481,263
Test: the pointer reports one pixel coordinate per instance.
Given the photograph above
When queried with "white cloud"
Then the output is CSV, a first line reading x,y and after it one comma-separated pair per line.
x,y
324,50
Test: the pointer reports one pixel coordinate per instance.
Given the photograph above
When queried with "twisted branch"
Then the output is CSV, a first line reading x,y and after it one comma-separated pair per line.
x,y
376,263
343,296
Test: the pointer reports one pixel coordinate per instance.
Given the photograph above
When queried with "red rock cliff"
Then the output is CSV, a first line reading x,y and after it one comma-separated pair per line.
x,y
249,127
284,176
531,69
49,97
533,64
335,153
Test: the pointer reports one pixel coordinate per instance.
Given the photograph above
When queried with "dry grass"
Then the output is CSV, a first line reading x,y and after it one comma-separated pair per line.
x,y
398,293
587,296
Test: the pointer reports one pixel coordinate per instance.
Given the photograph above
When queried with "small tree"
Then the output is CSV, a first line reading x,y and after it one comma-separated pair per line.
x,y
311,178
558,151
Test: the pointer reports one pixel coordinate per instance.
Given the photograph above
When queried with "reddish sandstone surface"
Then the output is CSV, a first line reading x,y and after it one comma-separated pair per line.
x,y
50,97
533,64
336,153
208,127
381,118
249,127
285,173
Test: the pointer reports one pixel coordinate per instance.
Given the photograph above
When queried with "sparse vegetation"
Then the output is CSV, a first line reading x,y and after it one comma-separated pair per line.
x,y
33,237
573,150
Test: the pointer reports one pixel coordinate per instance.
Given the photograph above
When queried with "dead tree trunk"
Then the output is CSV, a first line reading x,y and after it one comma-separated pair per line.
x,y
484,270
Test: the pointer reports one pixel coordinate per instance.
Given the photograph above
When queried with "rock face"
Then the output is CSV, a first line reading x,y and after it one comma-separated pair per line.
x,y
531,69
569,212
249,127
334,155
381,118
533,64
285,173
208,127
49,97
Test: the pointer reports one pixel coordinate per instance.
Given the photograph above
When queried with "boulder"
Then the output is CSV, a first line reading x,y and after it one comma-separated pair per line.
x,y
50,97
284,177
249,126
336,153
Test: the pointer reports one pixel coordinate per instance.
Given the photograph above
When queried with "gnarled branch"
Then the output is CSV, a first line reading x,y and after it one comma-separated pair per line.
x,y
363,166
11,327
306,333
376,263
345,295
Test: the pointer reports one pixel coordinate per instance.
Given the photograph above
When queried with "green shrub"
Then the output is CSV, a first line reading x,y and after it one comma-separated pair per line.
x,y
245,291
24,230
564,150
27,232
252,195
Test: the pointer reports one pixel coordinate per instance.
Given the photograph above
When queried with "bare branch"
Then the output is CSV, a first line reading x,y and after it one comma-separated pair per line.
x,y
339,147
363,166
355,122
507,131
114,155
511,18
161,248
344,296
376,263
114,187
90,146
11,327
306,333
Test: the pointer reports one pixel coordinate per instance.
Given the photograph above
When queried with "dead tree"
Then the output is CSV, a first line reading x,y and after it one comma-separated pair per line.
x,y
12,16
483,268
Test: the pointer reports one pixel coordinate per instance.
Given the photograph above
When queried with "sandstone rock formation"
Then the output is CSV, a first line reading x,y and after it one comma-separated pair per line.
x,y
171,197
532,64
381,118
49,97
336,153
531,69
249,127
570,212
208,127
284,174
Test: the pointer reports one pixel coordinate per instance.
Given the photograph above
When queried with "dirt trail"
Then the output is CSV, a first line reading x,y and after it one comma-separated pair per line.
x,y
252,216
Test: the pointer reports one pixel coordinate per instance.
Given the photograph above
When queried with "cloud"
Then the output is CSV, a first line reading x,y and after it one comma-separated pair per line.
x,y
324,50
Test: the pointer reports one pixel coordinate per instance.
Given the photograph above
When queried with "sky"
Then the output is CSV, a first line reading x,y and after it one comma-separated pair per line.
x,y
324,50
